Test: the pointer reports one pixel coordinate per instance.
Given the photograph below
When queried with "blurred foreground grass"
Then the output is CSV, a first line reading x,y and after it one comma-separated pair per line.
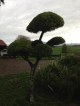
x,y
14,91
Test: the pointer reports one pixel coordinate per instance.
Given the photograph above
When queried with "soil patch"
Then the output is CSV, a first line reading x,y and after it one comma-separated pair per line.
x,y
12,66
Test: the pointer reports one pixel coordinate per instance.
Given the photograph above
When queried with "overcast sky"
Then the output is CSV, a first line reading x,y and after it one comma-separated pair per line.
x,y
15,15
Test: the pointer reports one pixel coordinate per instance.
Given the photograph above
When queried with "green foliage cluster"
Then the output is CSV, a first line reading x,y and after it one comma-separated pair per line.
x,y
25,48
55,41
46,77
44,22
70,60
36,42
20,47
62,80
42,50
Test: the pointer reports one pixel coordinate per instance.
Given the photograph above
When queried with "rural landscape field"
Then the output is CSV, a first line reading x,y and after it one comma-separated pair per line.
x,y
39,53
15,85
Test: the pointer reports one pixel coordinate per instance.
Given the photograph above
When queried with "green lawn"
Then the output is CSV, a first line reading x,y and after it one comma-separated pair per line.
x,y
74,49
71,49
56,50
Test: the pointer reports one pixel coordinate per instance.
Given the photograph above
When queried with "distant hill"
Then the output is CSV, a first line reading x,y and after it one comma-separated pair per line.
x,y
74,44
70,44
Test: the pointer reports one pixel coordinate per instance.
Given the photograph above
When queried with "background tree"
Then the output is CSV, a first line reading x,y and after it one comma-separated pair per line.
x,y
20,47
64,49
22,37
23,47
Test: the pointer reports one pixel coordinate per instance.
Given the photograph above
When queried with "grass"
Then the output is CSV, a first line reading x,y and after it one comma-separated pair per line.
x,y
74,49
56,50
71,49
14,90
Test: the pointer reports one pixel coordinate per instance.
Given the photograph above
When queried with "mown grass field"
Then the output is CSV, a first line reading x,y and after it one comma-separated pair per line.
x,y
74,49
71,49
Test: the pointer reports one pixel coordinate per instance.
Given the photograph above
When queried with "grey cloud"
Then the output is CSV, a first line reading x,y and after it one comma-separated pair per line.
x,y
15,15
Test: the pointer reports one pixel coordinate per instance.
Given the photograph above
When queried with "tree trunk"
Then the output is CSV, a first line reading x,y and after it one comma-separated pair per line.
x,y
41,36
32,73
31,88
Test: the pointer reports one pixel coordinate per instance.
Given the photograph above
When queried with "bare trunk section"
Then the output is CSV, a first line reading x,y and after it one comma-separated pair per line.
x,y
32,73
33,68
41,36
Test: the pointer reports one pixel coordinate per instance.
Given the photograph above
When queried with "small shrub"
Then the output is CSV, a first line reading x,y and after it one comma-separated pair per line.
x,y
45,78
64,49
70,60
60,80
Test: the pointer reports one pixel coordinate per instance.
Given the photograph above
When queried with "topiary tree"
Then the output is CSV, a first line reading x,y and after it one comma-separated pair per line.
x,y
26,49
44,22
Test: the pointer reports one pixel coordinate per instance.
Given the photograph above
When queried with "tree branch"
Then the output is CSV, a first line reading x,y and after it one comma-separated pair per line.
x,y
27,59
41,36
